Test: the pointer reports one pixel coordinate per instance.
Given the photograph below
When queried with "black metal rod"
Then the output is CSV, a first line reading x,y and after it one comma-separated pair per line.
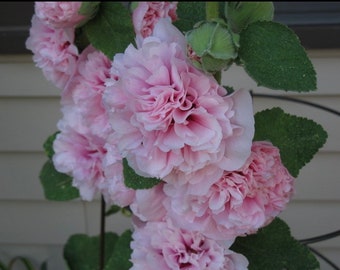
x,y
328,261
298,101
102,235
320,238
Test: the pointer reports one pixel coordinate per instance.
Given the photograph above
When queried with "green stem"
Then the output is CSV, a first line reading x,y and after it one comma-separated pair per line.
x,y
211,10
218,76
102,235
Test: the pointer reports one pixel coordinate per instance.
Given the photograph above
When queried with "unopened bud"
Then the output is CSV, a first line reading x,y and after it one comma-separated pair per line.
x,y
211,46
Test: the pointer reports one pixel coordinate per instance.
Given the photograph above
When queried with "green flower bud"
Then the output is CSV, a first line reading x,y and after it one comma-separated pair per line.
x,y
211,46
240,14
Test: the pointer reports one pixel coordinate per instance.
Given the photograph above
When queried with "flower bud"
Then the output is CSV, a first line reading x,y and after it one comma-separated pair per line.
x,y
211,46
240,14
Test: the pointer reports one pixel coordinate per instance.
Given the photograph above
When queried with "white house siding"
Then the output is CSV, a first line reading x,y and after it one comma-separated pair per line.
x,y
34,227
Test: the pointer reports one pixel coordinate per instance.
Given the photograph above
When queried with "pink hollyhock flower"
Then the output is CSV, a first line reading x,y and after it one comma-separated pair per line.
x,y
113,188
234,261
148,204
85,90
80,155
159,245
238,202
59,14
168,115
273,185
53,51
84,148
147,14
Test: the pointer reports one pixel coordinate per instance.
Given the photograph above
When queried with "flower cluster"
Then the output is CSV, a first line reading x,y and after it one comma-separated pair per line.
x,y
170,120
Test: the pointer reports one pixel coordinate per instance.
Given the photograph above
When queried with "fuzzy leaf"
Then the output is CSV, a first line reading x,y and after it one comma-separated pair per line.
x,y
273,56
135,181
82,251
88,8
111,30
298,138
48,145
273,247
120,259
189,13
113,210
57,186
240,14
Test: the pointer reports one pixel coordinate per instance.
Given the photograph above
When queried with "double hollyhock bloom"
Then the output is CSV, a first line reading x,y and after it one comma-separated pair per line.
x,y
59,14
169,116
232,203
83,148
146,15
53,51
160,245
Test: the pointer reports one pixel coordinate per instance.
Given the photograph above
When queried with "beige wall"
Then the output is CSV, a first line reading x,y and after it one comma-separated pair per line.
x,y
37,228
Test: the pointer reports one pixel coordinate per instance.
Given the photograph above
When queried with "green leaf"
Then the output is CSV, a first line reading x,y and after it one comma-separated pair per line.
x,y
273,247
3,266
111,30
120,259
88,8
113,210
273,56
26,262
57,186
48,145
189,13
82,251
298,138
135,181
241,14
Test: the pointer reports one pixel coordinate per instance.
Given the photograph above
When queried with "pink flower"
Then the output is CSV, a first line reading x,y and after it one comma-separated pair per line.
x,y
53,51
85,90
273,185
168,115
84,148
147,14
148,204
59,14
159,245
113,187
80,154
238,202
234,261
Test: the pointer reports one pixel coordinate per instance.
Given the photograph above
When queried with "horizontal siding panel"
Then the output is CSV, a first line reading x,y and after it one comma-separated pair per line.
x,y
312,218
37,254
19,174
14,67
27,122
319,179
24,79
40,222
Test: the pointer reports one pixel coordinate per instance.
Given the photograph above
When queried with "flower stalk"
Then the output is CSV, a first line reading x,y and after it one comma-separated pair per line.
x,y
212,12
